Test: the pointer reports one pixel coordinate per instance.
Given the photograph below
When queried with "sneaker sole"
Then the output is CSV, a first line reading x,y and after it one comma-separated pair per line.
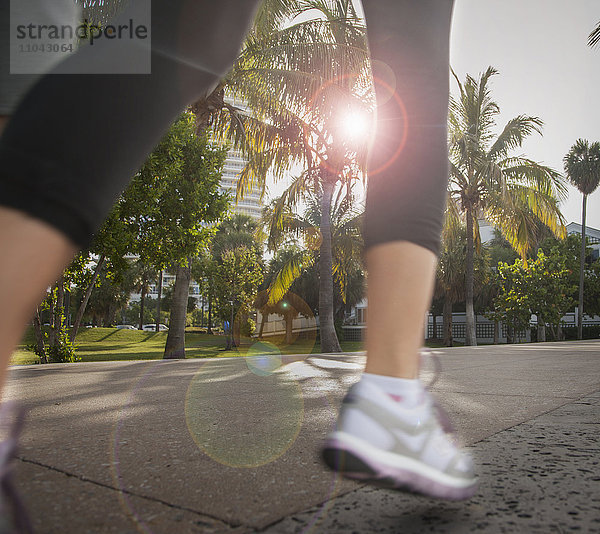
x,y
353,458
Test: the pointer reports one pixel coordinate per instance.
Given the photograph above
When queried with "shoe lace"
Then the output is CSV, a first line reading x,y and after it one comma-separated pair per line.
x,y
8,449
441,414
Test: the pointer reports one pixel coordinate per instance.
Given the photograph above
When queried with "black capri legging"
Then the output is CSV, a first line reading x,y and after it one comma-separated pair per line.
x,y
75,141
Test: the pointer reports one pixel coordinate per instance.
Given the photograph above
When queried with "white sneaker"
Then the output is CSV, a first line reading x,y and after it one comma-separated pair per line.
x,y
380,441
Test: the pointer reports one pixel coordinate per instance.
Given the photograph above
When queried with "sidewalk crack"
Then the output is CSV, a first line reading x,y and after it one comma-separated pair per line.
x,y
130,493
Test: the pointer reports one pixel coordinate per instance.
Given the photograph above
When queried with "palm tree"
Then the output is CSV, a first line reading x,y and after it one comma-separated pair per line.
x,y
101,11
344,248
450,273
582,165
293,80
291,305
513,192
236,231
299,82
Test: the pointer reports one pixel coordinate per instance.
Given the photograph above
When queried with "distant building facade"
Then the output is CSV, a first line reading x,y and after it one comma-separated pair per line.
x,y
592,236
251,204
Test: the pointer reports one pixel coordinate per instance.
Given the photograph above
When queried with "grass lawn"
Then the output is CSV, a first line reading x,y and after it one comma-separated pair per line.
x,y
110,344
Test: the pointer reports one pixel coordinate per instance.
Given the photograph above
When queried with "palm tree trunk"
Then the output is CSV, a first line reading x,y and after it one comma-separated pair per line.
x,y
209,328
329,340
86,297
160,283
39,338
60,303
53,319
142,304
447,313
470,334
581,272
175,346
67,306
289,318
263,320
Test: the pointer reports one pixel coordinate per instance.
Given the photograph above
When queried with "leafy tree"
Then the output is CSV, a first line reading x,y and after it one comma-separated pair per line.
x,y
108,297
513,192
237,230
54,346
203,271
582,165
512,305
236,235
107,253
131,313
290,305
550,291
170,204
499,250
167,301
592,292
540,287
237,277
570,250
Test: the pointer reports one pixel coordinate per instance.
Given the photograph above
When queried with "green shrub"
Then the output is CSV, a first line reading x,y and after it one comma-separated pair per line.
x,y
62,352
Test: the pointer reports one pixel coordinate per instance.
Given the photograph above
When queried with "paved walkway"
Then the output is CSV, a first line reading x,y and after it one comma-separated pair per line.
x,y
231,446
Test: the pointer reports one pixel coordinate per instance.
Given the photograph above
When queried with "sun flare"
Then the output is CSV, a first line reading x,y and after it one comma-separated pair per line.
x,y
355,125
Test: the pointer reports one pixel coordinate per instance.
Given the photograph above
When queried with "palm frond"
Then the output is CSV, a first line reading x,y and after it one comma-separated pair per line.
x,y
594,36
582,165
515,131
286,276
542,178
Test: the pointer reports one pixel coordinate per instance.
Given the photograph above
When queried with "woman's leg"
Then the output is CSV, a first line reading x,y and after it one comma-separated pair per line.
x,y
34,255
409,43
75,141
387,430
400,282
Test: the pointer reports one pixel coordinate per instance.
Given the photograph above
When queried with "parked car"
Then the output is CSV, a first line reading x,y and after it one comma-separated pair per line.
x,y
125,327
152,327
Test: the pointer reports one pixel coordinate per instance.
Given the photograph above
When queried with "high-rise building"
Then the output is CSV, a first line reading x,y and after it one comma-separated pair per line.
x,y
251,204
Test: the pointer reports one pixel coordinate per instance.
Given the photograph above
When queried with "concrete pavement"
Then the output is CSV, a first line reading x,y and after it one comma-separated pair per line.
x,y
231,445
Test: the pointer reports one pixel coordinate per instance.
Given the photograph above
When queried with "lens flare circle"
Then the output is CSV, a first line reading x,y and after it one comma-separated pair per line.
x,y
385,81
263,358
386,90
235,427
382,86
312,104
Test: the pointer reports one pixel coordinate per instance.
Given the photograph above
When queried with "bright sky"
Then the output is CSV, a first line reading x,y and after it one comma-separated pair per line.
x,y
545,69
